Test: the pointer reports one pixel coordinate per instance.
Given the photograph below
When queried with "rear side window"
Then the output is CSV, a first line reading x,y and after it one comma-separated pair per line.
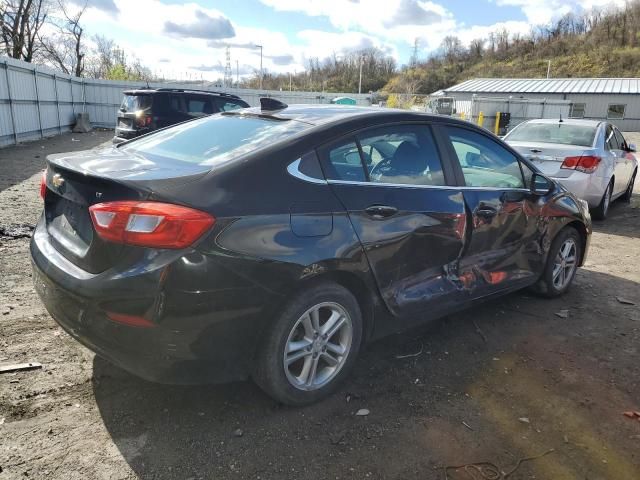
x,y
176,104
344,162
216,139
225,105
198,106
484,162
133,103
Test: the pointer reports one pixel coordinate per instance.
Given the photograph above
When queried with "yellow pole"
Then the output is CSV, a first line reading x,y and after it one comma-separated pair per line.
x,y
496,129
480,119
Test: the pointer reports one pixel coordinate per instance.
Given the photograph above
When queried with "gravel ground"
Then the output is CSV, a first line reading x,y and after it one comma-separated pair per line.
x,y
509,380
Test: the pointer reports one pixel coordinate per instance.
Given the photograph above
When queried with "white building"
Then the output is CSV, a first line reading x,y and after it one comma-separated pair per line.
x,y
615,99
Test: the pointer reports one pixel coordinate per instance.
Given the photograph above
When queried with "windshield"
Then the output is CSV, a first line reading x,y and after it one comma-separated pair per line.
x,y
563,133
132,103
216,139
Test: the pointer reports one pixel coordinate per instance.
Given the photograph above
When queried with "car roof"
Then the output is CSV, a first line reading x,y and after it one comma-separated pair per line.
x,y
568,121
331,113
148,91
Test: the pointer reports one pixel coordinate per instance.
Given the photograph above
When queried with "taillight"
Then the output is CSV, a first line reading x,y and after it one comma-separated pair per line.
x,y
149,224
143,121
585,163
43,184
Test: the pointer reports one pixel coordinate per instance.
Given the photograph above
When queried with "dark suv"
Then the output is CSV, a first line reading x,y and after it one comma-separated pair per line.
x,y
148,109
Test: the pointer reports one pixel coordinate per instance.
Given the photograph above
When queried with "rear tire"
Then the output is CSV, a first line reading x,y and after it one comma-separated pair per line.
x,y
629,193
304,357
562,263
601,211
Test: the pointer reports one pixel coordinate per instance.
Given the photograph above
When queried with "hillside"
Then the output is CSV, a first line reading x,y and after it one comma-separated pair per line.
x,y
595,44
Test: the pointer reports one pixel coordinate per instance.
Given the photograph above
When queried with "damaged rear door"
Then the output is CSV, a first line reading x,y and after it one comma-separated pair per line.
x,y
406,212
503,251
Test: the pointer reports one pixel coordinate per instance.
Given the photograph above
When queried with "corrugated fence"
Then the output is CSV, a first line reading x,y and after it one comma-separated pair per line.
x,y
36,102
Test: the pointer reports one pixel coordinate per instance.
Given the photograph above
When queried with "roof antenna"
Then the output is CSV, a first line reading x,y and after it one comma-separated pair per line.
x,y
271,104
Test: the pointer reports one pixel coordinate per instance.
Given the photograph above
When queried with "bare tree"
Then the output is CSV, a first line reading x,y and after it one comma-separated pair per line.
x,y
65,48
20,24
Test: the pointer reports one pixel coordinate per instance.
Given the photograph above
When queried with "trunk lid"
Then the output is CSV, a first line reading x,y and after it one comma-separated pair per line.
x,y
78,180
548,157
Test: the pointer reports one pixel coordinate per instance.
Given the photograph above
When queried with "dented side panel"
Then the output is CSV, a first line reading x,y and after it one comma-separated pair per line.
x,y
414,253
504,241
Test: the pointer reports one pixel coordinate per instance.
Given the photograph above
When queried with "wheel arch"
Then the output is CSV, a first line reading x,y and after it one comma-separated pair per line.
x,y
364,294
582,231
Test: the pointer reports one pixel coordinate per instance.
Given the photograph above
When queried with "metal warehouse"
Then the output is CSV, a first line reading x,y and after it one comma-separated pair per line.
x,y
616,99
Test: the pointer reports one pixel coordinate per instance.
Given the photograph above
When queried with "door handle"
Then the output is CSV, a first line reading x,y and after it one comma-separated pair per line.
x,y
485,211
381,211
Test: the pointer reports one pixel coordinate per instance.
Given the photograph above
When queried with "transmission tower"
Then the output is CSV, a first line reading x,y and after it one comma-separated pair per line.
x,y
228,75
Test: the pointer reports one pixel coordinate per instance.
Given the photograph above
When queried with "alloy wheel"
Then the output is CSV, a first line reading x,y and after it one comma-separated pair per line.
x,y
565,264
318,346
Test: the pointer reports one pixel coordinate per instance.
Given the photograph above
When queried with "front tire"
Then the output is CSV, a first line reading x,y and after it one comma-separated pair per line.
x,y
311,347
601,211
562,263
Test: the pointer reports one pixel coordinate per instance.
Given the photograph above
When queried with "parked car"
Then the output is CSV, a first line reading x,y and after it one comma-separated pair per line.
x,y
590,158
274,242
148,109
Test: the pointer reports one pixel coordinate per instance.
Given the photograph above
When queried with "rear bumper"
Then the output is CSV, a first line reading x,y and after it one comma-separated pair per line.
x,y
189,343
589,187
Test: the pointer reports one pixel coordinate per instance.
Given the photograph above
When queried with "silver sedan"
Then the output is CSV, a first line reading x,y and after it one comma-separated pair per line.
x,y
588,157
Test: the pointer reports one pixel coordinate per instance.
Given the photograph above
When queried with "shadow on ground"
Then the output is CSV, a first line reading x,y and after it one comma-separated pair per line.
x,y
456,397
623,219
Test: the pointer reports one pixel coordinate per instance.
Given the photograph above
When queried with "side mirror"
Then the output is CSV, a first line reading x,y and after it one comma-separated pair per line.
x,y
632,147
540,185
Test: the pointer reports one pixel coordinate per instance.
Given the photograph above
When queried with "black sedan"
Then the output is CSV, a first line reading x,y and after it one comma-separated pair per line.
x,y
272,243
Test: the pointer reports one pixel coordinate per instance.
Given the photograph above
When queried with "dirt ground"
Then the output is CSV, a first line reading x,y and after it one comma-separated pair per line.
x,y
509,380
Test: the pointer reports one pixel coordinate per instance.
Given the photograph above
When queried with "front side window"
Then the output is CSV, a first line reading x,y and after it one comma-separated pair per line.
x,y
616,111
610,140
484,162
402,154
577,110
622,144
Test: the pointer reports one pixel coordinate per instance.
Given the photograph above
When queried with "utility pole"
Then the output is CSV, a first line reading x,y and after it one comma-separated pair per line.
x,y
237,73
290,81
414,57
360,81
549,69
228,78
260,47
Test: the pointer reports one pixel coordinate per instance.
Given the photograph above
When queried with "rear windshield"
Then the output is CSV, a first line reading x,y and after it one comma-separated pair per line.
x,y
216,139
566,134
132,103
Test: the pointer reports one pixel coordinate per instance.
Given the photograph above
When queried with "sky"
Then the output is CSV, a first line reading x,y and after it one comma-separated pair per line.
x,y
188,39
